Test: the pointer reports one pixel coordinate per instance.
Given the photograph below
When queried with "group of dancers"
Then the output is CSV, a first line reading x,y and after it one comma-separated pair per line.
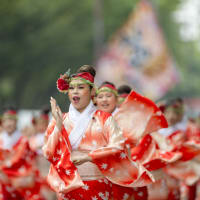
x,y
112,144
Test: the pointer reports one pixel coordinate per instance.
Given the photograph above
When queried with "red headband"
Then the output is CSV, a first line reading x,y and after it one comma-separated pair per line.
x,y
109,86
63,84
10,114
85,75
123,95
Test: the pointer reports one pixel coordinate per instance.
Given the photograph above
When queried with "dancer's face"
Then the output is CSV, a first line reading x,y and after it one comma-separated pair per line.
x,y
173,114
79,94
9,125
41,125
106,101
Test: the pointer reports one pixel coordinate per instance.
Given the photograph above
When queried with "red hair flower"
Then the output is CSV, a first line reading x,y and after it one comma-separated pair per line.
x,y
62,85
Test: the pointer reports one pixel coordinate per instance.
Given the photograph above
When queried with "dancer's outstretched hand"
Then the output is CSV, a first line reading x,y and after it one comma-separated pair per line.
x,y
56,112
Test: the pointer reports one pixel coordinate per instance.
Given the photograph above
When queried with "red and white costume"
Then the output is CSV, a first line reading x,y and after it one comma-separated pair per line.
x,y
102,139
19,179
139,118
7,141
187,170
96,133
181,176
134,117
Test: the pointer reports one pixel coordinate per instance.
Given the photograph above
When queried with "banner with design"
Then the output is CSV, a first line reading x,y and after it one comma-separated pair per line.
x,y
137,55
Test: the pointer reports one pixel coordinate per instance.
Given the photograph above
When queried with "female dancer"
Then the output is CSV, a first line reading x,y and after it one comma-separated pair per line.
x,y
107,100
19,177
86,147
184,172
146,147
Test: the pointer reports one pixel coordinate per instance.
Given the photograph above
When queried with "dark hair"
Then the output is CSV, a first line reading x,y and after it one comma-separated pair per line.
x,y
87,68
174,101
45,110
107,83
124,89
9,107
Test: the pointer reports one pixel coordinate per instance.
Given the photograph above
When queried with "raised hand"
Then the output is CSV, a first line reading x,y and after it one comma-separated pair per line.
x,y
56,112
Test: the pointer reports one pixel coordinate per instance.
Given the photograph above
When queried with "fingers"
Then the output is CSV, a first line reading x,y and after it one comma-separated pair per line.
x,y
77,162
53,107
53,103
59,111
52,100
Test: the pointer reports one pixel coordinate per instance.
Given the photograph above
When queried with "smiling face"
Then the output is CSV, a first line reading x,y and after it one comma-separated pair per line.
x,y
106,101
79,94
41,125
9,125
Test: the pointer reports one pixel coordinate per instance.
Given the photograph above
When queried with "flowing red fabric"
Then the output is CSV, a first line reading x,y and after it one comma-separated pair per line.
x,y
21,180
63,175
139,117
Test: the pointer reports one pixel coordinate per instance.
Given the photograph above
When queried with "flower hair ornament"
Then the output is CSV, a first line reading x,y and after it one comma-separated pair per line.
x,y
65,79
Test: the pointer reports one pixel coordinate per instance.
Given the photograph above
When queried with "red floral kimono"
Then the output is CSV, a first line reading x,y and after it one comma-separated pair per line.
x,y
181,176
139,118
187,169
19,179
104,142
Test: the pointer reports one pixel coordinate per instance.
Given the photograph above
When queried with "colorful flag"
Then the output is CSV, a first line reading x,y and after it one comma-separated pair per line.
x,y
137,55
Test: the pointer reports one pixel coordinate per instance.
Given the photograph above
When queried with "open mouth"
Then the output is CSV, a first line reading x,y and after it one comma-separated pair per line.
x,y
105,105
76,99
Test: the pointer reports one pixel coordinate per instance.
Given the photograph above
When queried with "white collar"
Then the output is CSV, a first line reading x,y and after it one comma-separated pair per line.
x,y
80,121
10,140
115,111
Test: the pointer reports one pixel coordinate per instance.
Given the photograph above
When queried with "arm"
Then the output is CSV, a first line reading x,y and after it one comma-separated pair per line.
x,y
51,140
53,131
114,137
114,163
115,142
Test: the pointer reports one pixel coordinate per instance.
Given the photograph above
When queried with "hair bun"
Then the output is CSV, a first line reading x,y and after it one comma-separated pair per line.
x,y
87,68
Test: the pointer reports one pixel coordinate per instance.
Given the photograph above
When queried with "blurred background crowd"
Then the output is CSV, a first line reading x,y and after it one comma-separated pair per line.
x,y
151,45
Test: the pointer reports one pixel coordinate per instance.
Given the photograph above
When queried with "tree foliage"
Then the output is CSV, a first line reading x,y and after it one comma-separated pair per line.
x,y
41,39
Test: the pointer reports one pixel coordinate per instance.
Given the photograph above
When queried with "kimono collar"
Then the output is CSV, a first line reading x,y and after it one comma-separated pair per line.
x,y
10,140
115,111
80,122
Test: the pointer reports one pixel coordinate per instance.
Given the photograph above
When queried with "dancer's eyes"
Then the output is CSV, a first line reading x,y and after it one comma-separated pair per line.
x,y
100,96
81,87
109,95
77,86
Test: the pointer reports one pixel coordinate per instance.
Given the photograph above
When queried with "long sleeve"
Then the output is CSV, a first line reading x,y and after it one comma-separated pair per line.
x,y
114,163
139,118
51,140
63,176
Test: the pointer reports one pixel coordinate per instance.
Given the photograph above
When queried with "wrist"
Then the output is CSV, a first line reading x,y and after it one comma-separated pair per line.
x,y
89,158
59,126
